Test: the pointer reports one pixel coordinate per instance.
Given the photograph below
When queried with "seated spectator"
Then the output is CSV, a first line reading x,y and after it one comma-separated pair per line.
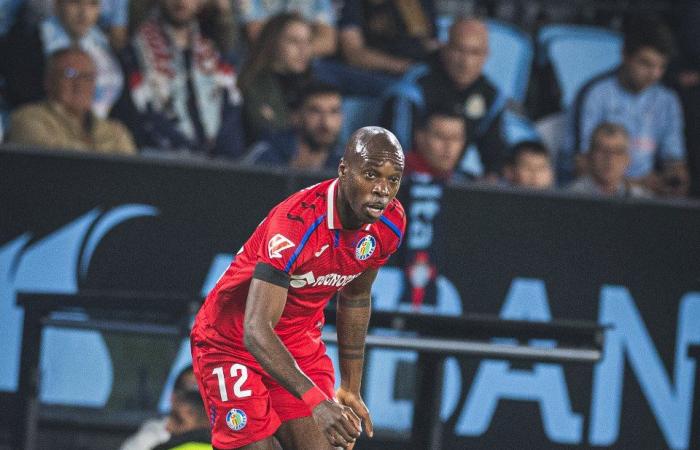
x,y
320,14
65,120
439,144
216,20
182,96
530,166
313,143
379,40
385,35
157,431
632,96
188,423
608,160
278,70
453,80
26,47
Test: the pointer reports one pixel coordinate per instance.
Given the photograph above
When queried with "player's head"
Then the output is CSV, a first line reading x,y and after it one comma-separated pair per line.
x,y
369,175
647,49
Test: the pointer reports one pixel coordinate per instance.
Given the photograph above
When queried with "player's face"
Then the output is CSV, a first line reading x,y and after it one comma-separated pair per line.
x,y
72,83
442,142
180,13
78,16
368,188
644,67
322,118
609,158
294,48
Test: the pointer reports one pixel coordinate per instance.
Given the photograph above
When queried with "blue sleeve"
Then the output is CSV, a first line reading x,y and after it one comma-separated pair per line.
x,y
590,115
350,15
672,140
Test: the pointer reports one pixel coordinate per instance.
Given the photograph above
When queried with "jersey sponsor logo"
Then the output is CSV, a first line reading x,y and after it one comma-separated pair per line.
x,y
332,279
236,419
320,252
365,248
278,244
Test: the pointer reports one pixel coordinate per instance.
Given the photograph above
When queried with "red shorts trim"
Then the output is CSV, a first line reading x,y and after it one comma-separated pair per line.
x,y
253,405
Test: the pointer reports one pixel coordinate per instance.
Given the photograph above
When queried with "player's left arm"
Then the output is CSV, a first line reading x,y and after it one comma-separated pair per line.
x,y
352,320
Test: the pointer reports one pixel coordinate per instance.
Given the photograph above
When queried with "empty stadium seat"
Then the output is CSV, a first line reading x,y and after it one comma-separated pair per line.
x,y
547,33
576,59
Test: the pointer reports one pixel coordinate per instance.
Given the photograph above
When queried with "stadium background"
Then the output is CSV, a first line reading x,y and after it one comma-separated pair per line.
x,y
72,224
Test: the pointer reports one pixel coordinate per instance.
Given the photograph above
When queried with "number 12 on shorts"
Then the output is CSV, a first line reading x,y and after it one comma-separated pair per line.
x,y
238,371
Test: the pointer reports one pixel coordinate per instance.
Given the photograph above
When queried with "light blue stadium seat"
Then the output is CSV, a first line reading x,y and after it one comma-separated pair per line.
x,y
547,33
359,112
510,59
577,59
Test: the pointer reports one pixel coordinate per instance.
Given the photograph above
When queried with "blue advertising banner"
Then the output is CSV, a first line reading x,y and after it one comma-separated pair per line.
x,y
70,223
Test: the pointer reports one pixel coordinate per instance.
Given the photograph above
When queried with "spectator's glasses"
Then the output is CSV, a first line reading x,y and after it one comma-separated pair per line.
x,y
71,73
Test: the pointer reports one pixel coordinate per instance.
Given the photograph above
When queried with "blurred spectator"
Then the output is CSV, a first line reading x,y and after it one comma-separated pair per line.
x,y
216,17
608,159
320,14
182,96
386,35
632,96
26,47
530,166
439,144
113,17
313,144
64,120
187,423
688,82
278,70
454,81
157,431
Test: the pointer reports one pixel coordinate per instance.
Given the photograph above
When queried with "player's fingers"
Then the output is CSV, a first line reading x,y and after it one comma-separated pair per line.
x,y
352,415
367,419
340,438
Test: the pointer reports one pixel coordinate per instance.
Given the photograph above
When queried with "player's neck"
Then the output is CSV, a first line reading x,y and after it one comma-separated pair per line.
x,y
347,217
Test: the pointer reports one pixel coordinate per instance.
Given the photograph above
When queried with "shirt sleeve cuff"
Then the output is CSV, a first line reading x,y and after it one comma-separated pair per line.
x,y
266,272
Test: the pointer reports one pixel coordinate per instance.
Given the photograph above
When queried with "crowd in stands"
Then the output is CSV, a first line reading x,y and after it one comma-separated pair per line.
x,y
264,83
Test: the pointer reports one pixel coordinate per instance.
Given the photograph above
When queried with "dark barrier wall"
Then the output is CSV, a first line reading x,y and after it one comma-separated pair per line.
x,y
70,223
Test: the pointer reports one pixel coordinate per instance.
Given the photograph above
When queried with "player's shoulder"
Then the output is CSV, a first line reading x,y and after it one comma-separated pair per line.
x,y
394,219
304,207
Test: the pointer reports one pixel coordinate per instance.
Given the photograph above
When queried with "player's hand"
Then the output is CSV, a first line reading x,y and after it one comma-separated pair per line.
x,y
338,422
354,401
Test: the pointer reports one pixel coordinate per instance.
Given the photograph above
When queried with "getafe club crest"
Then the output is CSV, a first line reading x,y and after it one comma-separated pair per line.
x,y
236,419
365,248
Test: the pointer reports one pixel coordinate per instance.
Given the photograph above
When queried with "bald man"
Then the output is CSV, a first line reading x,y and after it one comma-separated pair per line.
x,y
454,81
262,368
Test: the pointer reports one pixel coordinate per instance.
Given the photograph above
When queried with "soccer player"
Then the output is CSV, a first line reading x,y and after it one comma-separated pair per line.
x,y
257,352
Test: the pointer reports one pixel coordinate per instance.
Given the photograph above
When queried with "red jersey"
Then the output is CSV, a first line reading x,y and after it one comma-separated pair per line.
x,y
303,237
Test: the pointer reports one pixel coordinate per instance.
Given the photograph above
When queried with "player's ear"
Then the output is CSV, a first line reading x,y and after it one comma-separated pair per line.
x,y
342,168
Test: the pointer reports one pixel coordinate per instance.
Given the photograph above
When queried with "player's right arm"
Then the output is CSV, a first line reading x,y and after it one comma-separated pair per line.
x,y
266,299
